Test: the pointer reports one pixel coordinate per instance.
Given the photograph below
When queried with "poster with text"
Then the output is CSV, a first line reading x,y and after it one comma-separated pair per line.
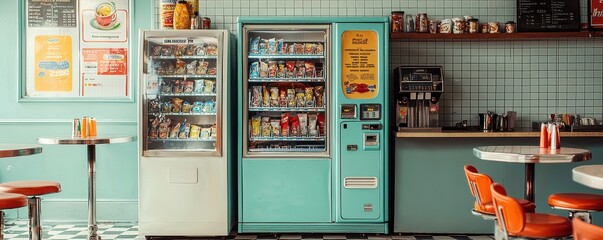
x,y
104,48
77,48
51,48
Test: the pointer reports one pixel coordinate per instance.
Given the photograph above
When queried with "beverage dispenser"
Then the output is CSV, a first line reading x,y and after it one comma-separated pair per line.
x,y
417,93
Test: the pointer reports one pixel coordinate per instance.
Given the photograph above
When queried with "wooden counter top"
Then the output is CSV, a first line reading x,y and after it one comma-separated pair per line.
x,y
456,134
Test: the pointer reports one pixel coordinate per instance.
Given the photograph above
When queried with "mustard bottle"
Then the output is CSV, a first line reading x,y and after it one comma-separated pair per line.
x,y
182,19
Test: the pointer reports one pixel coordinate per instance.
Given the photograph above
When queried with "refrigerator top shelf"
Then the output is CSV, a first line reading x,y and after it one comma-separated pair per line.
x,y
185,57
188,94
287,139
284,56
283,109
286,80
184,114
187,76
182,140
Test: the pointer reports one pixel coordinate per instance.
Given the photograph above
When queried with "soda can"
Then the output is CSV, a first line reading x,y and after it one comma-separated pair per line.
x,y
75,128
205,23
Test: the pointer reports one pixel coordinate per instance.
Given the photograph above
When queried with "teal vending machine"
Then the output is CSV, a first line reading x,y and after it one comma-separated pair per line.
x,y
313,150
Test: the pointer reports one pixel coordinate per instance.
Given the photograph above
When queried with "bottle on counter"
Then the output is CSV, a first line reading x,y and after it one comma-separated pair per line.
x,y
544,136
182,19
196,21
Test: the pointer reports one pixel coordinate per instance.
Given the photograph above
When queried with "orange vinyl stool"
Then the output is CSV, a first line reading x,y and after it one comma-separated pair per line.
x,y
32,189
586,231
10,201
515,222
479,185
578,204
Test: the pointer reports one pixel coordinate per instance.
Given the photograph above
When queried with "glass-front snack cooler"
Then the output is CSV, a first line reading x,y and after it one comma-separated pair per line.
x,y
312,148
184,157
287,92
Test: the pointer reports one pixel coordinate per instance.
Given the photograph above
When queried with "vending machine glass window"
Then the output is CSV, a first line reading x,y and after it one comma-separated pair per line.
x,y
286,90
182,95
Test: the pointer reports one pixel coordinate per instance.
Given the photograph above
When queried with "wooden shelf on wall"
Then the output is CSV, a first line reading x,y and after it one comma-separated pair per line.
x,y
402,36
461,134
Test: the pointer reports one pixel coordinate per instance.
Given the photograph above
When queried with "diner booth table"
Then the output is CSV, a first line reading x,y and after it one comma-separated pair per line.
x,y
589,175
529,156
91,143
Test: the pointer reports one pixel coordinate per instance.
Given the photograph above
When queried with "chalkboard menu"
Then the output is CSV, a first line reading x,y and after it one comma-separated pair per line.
x,y
52,13
548,15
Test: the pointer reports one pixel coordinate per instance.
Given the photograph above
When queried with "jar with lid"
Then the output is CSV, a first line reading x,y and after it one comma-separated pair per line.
x,y
397,21
446,26
422,23
410,23
182,19
458,25
473,25
434,26
510,27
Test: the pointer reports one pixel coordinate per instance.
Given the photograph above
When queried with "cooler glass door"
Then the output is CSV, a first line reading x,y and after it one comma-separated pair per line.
x,y
286,87
181,101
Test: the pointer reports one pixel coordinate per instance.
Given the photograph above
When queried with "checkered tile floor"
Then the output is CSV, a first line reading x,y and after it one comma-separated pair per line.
x,y
17,230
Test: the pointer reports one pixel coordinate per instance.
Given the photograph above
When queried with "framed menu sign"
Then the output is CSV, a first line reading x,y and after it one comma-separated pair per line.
x,y
595,16
75,49
548,15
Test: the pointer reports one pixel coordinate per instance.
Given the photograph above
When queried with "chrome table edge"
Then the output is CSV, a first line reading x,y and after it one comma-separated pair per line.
x,y
559,156
87,141
15,150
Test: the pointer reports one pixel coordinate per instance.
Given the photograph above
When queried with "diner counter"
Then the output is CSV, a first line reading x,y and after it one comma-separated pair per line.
x,y
477,134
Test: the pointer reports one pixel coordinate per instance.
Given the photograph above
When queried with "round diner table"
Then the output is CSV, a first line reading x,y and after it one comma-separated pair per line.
x,y
529,156
91,143
589,175
15,150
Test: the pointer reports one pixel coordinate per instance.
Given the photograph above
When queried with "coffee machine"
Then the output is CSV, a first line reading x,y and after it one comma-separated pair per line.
x,y
418,90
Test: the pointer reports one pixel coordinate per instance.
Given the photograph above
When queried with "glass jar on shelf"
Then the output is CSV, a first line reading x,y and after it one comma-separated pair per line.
x,y
182,19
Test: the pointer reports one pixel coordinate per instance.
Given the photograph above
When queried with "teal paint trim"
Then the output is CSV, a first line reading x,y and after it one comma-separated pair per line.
x,y
21,54
240,120
286,190
231,147
308,20
381,29
313,227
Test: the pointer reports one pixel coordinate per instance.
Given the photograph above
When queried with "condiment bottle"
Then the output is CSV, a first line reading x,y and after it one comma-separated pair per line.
x,y
182,19
544,136
555,144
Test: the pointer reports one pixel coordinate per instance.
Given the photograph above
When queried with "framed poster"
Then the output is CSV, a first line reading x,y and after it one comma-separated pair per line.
x,y
75,49
595,14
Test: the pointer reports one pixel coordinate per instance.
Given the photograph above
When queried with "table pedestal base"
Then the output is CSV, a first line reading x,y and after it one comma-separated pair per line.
x,y
529,195
92,227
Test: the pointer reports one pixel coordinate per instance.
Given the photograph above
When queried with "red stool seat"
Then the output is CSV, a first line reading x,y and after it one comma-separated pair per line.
x,y
31,188
539,225
488,208
577,201
12,200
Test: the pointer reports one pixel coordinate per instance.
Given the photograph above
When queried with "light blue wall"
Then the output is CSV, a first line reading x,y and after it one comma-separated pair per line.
x,y
23,122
